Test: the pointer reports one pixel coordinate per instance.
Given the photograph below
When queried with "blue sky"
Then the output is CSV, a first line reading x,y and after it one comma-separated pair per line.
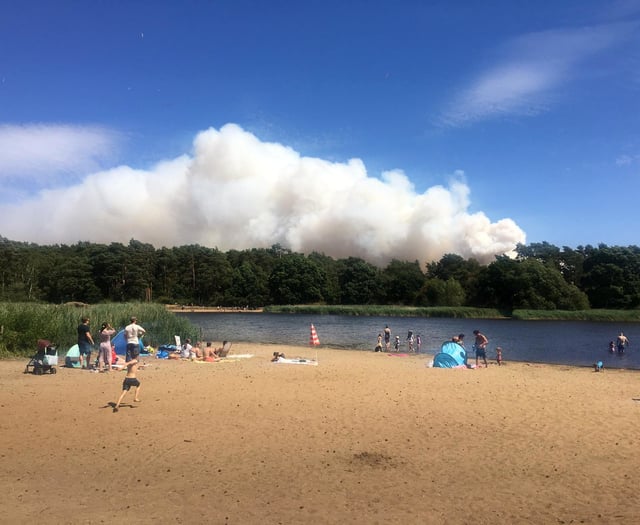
x,y
473,125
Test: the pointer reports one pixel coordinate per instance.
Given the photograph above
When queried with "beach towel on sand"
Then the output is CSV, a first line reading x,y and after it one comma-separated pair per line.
x,y
297,361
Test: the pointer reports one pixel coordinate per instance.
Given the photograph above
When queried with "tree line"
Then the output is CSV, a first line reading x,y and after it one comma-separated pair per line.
x,y
540,276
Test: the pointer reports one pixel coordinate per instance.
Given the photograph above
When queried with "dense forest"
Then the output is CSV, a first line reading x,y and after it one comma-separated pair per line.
x,y
540,276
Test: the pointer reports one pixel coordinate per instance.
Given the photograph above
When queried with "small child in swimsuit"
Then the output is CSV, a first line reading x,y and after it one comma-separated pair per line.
x,y
499,356
130,380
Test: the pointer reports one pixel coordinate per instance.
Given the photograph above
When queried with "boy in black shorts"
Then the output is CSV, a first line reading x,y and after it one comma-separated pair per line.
x,y
130,380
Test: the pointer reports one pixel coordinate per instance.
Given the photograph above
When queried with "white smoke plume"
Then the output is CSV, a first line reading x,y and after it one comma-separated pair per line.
x,y
237,192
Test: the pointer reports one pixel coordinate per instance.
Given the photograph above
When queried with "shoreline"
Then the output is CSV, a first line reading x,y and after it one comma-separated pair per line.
x,y
176,309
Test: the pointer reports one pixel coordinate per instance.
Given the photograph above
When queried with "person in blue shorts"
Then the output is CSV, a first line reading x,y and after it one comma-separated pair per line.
x,y
480,347
85,343
621,343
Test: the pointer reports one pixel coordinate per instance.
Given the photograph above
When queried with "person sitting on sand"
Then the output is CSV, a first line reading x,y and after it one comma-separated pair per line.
x,y
186,349
223,350
276,356
210,355
130,380
378,347
118,363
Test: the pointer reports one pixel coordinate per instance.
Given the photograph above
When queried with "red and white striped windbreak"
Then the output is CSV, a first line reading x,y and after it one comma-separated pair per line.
x,y
313,338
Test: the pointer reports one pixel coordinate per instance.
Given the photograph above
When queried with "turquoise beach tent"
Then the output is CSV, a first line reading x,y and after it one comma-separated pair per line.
x,y
452,355
120,342
72,359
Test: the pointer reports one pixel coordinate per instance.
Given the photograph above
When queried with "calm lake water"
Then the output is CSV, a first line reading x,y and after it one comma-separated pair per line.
x,y
557,342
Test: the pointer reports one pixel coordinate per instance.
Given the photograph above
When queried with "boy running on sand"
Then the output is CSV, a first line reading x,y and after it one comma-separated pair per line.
x,y
130,380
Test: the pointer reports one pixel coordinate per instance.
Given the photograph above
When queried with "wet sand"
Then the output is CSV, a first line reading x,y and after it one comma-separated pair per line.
x,y
360,438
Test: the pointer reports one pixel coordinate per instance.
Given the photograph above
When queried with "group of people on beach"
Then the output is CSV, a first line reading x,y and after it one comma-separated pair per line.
x,y
106,360
414,343
479,345
107,357
200,352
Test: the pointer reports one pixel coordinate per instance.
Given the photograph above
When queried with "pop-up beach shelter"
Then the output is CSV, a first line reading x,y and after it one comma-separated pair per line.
x,y
120,342
72,358
451,355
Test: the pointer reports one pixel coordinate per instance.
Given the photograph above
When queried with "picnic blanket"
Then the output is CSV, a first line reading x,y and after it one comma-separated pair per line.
x,y
297,361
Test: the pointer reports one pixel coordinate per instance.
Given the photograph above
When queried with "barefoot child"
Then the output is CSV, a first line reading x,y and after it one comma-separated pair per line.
x,y
130,380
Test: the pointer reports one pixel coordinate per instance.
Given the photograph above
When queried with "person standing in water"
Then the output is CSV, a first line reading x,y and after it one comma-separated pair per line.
x,y
410,340
387,337
621,343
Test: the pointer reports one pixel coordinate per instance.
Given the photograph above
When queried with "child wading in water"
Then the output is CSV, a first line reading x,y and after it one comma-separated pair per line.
x,y
130,380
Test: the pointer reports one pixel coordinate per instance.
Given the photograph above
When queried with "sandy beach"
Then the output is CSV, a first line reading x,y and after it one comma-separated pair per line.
x,y
360,438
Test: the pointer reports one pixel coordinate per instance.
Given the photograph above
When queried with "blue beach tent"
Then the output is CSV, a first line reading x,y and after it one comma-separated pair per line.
x,y
452,355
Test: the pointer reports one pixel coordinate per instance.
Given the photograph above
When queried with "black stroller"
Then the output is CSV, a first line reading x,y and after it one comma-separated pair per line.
x,y
45,360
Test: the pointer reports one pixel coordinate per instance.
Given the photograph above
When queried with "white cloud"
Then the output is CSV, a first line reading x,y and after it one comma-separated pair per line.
x,y
237,192
627,160
41,153
531,69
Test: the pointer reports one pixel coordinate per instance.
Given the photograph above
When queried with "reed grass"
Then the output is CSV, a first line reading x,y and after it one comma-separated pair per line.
x,y
22,324
596,315
459,312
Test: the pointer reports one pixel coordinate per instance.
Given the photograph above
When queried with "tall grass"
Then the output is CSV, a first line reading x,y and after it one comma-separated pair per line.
x,y
630,316
22,324
460,312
